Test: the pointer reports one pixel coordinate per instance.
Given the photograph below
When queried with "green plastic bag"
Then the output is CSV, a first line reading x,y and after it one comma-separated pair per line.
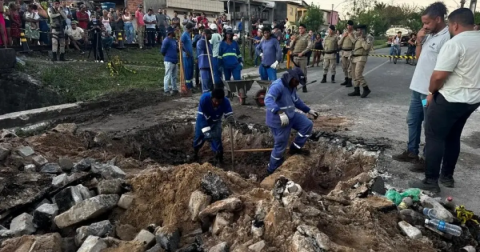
x,y
397,197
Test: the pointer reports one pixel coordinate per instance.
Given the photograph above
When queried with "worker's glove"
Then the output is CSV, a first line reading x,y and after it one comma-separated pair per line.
x,y
284,119
207,132
313,113
231,120
274,65
261,55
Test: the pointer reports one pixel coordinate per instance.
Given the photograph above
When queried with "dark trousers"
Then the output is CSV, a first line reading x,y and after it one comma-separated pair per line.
x,y
443,128
97,47
151,36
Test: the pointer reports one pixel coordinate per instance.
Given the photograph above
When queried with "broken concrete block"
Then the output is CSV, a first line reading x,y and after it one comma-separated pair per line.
x,y
83,165
126,232
309,238
110,186
5,232
126,200
25,151
221,247
65,163
60,180
65,128
222,220
409,230
156,248
30,168
214,186
5,150
108,171
145,237
52,168
198,202
16,161
92,244
100,229
23,224
71,196
44,214
87,209
39,160
227,205
257,247
168,237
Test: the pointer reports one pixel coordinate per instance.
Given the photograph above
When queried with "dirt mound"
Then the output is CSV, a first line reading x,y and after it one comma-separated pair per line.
x,y
163,195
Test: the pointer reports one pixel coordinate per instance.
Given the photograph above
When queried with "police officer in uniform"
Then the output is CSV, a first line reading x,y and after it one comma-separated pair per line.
x,y
330,58
57,17
361,47
346,45
299,48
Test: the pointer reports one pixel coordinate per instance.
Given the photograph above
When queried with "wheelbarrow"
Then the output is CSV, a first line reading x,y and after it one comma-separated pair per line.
x,y
260,95
239,88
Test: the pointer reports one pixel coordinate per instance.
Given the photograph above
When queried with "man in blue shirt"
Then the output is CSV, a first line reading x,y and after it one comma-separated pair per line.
x,y
169,50
204,56
271,53
208,127
187,54
281,101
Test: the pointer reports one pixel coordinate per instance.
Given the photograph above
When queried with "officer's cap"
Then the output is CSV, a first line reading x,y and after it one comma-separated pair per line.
x,y
297,73
349,22
332,27
170,30
302,25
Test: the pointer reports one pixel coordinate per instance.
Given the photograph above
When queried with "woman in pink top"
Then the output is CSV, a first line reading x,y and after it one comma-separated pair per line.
x,y
3,29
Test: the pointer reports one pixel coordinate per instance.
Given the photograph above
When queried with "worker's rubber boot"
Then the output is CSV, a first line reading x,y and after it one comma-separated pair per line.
x,y
345,82
296,151
349,82
54,56
333,78
196,158
366,91
219,157
324,79
62,57
355,92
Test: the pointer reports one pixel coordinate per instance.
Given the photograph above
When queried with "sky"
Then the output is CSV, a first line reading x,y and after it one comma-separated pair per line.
x,y
339,5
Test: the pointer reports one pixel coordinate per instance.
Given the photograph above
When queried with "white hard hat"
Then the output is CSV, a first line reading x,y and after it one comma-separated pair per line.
x,y
213,26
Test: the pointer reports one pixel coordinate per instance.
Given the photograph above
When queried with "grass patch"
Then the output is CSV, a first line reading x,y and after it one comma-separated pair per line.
x,y
86,81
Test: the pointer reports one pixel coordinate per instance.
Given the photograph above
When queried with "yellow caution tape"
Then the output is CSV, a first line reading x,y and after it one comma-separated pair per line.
x,y
465,215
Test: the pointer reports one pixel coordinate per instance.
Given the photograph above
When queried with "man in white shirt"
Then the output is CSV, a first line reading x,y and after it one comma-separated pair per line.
x,y
454,94
396,43
429,42
215,41
76,36
150,22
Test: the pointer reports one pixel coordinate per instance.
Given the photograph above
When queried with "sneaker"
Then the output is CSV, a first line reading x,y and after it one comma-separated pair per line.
x,y
447,181
425,184
406,156
418,166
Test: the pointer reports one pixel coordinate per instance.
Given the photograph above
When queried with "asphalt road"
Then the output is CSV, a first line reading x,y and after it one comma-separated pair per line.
x,y
383,114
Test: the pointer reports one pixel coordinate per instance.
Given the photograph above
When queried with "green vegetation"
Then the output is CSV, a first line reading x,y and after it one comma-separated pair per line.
x,y
313,18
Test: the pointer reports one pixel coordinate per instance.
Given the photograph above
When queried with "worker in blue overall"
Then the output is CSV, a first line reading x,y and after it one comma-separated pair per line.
x,y
271,53
212,107
203,62
229,57
188,62
281,101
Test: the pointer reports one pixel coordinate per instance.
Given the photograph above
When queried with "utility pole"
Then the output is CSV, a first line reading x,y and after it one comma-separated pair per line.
x,y
331,16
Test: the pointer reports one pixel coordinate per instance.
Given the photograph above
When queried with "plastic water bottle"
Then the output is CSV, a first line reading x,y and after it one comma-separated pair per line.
x,y
431,213
440,212
444,227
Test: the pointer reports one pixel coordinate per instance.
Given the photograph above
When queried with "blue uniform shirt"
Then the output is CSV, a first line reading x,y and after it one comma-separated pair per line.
x,y
271,51
187,44
202,54
229,55
207,114
281,96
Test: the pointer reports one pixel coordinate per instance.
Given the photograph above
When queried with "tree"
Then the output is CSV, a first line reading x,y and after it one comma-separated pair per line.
x,y
313,18
477,17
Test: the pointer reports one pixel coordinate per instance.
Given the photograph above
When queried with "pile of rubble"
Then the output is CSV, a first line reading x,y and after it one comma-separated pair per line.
x,y
331,201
